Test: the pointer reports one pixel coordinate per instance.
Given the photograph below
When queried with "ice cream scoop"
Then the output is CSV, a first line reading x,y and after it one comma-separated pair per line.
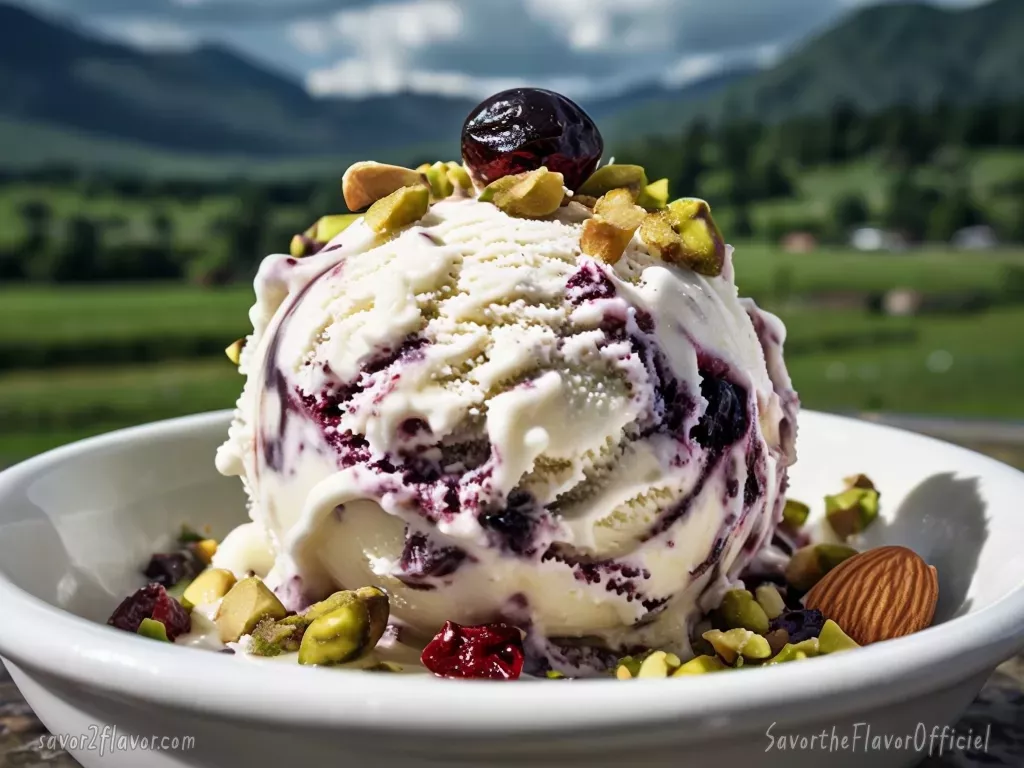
x,y
487,423
470,412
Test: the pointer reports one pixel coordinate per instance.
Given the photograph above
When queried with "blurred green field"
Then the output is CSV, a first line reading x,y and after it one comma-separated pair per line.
x,y
841,359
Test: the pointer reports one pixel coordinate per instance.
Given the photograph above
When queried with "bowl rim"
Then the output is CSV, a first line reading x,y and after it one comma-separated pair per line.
x,y
94,656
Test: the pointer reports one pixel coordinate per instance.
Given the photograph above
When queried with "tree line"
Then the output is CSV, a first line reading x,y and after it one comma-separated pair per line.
x,y
736,165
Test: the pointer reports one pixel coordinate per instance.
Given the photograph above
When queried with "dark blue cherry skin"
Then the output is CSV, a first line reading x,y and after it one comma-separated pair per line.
x,y
523,129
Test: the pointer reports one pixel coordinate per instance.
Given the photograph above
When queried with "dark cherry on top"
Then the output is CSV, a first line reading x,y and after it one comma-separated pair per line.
x,y
525,128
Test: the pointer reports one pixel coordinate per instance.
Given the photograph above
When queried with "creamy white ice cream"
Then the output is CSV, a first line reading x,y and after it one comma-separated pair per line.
x,y
488,424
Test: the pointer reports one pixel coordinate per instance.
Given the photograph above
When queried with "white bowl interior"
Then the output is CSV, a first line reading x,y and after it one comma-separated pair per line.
x,y
76,526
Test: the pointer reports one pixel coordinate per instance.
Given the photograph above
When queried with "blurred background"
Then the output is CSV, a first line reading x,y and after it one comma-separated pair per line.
x,y
867,160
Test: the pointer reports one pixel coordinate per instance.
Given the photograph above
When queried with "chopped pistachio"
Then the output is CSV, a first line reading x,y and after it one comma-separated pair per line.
x,y
208,587
654,196
272,638
735,643
342,634
684,233
795,513
615,176
832,639
367,182
153,629
234,351
629,666
700,665
770,600
205,550
383,666
809,564
243,606
794,652
738,609
851,511
531,195
658,664
459,176
437,174
397,210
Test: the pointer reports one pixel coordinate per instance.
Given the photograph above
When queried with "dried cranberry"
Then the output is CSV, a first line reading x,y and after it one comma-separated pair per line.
x,y
725,420
484,652
801,624
151,602
524,128
168,569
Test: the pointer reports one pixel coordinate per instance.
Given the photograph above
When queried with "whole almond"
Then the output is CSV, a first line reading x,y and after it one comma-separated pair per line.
x,y
878,595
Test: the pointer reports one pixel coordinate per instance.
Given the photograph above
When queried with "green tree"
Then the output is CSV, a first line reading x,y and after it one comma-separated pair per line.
x,y
848,211
907,206
951,214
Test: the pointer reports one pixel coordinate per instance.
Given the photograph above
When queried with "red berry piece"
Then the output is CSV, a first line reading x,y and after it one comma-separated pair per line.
x,y
484,652
525,128
151,602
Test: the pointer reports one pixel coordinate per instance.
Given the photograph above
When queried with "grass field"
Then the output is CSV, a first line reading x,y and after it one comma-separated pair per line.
x,y
840,359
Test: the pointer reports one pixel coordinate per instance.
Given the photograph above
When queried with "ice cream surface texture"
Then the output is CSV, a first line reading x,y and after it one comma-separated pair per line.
x,y
487,423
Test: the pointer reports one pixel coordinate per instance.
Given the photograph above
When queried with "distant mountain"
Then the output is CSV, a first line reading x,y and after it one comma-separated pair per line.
x,y
903,53
63,90
207,100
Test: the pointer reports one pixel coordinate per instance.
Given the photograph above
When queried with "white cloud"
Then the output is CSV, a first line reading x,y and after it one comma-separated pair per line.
x,y
152,35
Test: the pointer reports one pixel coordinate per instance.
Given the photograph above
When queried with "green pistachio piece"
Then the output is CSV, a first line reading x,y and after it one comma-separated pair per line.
x,y
208,587
654,196
795,513
736,643
441,185
658,664
397,210
851,511
243,606
153,629
459,176
832,639
341,635
376,602
383,666
234,351
700,665
629,666
789,653
770,600
809,564
530,195
272,638
685,234
322,231
738,609
552,674
367,182
615,176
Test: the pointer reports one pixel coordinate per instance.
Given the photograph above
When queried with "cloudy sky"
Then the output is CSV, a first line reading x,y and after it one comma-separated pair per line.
x,y
472,47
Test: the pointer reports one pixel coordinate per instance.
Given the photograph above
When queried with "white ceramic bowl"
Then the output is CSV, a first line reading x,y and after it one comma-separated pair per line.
x,y
77,523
